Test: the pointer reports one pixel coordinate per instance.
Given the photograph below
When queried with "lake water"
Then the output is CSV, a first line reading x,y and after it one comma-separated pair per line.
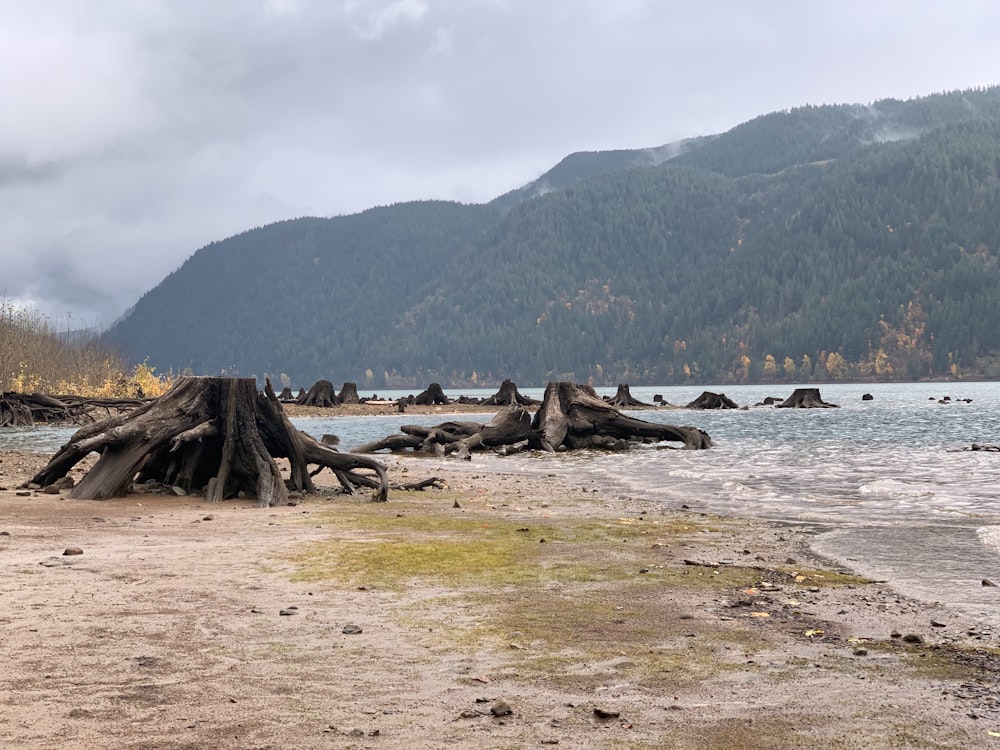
x,y
884,483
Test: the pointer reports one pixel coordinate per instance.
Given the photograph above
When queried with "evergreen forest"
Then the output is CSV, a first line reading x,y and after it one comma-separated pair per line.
x,y
824,243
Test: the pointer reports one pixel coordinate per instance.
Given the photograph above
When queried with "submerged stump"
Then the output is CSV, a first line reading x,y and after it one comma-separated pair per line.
x,y
805,398
217,435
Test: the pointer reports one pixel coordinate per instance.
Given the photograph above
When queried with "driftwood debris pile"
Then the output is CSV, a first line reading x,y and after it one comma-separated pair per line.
x,y
213,435
571,416
29,409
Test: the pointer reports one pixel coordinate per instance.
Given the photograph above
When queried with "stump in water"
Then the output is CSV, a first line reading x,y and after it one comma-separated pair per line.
x,y
805,398
623,398
213,434
321,394
508,395
349,394
709,400
433,395
574,416
286,395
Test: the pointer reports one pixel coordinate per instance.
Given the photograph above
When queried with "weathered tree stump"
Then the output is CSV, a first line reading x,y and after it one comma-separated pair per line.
x,y
433,395
349,394
709,400
286,396
805,398
574,416
321,394
623,398
508,395
217,435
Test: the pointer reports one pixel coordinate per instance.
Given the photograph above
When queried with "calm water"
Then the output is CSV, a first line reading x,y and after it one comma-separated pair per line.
x,y
884,482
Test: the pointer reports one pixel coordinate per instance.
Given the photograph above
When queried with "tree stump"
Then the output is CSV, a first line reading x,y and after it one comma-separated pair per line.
x,y
574,416
321,394
286,396
709,400
349,394
805,398
623,398
508,395
433,395
216,435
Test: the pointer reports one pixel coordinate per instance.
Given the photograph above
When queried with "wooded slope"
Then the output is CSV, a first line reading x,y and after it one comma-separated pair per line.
x,y
824,242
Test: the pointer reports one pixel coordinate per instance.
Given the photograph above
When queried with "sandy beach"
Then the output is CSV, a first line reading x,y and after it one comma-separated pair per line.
x,y
499,611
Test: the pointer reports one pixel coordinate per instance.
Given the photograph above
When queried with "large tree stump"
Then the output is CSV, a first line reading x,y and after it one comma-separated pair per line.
x,y
805,398
433,395
709,400
508,395
574,416
623,398
321,394
216,435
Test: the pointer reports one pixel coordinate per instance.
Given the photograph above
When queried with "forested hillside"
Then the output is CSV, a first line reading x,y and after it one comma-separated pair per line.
x,y
822,243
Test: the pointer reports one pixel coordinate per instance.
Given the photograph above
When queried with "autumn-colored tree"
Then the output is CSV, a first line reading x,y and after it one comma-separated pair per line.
x,y
789,368
836,366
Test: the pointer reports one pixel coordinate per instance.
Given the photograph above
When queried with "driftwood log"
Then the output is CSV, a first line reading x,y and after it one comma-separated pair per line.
x,y
509,426
709,400
433,395
28,409
508,395
213,435
805,398
571,416
321,394
623,399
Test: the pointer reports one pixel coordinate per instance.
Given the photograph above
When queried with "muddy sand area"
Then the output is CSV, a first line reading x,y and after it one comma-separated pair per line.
x,y
501,611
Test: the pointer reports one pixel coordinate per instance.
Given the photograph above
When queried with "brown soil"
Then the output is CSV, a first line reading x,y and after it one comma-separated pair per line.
x,y
596,621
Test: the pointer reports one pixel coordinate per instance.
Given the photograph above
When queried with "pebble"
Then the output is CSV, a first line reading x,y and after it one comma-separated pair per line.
x,y
501,708
351,629
73,551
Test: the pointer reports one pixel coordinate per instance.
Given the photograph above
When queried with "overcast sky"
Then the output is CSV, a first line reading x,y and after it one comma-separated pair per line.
x,y
136,131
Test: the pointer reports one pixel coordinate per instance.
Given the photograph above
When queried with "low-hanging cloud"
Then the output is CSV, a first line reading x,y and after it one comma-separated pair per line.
x,y
136,132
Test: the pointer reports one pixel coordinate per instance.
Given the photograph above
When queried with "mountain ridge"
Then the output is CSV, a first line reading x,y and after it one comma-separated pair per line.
x,y
756,254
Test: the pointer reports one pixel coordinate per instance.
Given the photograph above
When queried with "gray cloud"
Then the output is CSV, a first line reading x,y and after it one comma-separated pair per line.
x,y
136,132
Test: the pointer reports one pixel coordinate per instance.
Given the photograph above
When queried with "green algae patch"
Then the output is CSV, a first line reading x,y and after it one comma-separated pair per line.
x,y
457,551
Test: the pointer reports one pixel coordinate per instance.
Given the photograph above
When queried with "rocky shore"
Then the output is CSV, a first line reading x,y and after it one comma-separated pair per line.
x,y
496,610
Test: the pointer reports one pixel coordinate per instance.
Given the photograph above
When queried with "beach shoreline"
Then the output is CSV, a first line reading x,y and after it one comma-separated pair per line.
x,y
499,610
